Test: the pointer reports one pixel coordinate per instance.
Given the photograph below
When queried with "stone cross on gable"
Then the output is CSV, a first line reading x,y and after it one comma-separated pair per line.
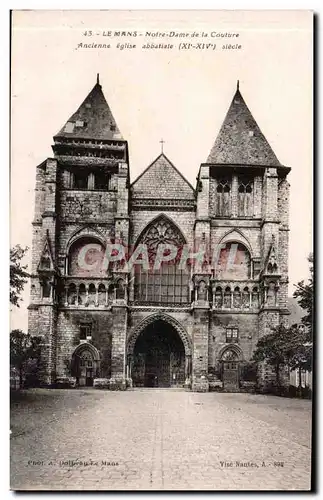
x,y
162,142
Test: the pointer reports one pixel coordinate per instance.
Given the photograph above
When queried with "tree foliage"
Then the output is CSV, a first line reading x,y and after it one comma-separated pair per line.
x,y
304,294
274,349
18,274
285,346
23,348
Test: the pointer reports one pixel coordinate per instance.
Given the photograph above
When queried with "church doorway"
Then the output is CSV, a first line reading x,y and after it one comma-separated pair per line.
x,y
85,365
159,357
230,362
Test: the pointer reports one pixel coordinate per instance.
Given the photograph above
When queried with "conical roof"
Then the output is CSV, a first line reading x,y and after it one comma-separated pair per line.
x,y
92,120
240,140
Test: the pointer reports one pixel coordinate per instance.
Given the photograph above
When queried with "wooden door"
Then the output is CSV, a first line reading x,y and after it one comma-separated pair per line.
x,y
89,377
157,369
231,376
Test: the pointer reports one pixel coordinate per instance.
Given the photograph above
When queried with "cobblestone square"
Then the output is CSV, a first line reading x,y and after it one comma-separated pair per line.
x,y
159,439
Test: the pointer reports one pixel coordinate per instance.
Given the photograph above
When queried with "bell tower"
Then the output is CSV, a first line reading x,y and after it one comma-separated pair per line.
x,y
82,192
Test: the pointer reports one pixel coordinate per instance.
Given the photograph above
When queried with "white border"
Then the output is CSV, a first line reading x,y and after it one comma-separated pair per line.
x,y
315,5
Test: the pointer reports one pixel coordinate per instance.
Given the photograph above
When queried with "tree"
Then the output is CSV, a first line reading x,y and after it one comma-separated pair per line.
x,y
302,352
18,273
303,355
304,293
23,348
285,347
275,348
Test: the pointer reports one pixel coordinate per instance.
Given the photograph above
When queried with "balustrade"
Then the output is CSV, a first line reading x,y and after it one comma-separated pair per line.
x,y
92,293
232,296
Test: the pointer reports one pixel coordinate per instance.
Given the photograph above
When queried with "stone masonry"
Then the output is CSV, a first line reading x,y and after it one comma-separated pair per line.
x,y
91,318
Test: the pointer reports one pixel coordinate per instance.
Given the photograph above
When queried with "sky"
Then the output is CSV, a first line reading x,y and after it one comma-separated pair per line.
x,y
179,95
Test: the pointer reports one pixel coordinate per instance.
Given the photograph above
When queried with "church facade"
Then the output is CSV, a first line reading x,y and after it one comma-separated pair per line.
x,y
156,283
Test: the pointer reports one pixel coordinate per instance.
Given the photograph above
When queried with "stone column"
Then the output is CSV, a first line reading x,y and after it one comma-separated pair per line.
x,y
47,331
200,350
234,196
118,348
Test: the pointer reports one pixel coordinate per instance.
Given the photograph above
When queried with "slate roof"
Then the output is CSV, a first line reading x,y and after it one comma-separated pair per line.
x,y
92,120
161,179
240,140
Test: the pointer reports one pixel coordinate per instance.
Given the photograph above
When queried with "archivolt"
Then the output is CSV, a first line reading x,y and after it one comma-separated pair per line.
x,y
161,317
231,347
87,347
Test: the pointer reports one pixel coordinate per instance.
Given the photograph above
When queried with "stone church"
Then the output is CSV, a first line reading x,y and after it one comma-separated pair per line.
x,y
191,322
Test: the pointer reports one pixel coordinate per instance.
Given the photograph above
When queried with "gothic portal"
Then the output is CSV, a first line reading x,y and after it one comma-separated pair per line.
x,y
188,322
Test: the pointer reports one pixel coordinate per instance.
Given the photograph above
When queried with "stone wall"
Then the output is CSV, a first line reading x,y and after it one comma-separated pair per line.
x,y
94,206
247,325
68,337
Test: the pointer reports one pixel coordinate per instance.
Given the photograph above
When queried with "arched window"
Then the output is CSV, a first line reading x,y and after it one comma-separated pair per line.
x,y
202,291
272,268
229,355
245,197
218,298
86,359
72,294
227,298
234,262
102,295
111,292
245,298
85,258
236,298
92,295
169,284
223,197
255,298
82,294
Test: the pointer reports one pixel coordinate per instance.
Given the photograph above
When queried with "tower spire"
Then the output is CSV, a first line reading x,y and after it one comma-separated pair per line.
x,y
240,140
93,119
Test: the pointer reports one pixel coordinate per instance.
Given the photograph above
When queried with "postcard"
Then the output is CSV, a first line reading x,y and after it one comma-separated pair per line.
x,y
161,279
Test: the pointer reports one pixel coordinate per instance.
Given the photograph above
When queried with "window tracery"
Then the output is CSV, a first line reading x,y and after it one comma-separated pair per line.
x,y
229,355
169,284
245,197
223,195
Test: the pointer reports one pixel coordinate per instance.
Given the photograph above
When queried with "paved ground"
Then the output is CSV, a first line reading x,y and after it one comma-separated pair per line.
x,y
154,439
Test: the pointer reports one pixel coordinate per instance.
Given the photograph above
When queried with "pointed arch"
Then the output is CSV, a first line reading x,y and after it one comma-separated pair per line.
x,y
137,330
93,256
85,232
86,346
232,257
237,236
167,283
160,218
231,347
85,364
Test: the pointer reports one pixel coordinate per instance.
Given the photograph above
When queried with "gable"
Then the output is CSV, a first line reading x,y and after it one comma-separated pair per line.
x,y
46,262
162,180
